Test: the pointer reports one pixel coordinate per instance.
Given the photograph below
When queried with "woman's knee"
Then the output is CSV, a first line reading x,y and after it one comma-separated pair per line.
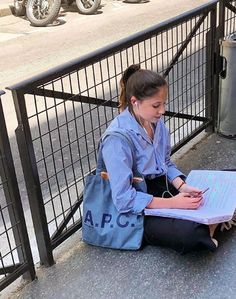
x,y
181,235
196,237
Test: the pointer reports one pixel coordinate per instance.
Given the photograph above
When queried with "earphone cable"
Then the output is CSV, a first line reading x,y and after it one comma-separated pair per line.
x,y
167,191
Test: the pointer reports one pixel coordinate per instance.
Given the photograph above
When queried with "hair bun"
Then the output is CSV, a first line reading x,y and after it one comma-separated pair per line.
x,y
130,71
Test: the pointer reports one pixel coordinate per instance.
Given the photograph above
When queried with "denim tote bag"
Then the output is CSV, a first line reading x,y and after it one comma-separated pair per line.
x,y
102,224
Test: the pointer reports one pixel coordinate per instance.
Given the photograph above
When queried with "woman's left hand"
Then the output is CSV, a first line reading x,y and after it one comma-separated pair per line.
x,y
195,192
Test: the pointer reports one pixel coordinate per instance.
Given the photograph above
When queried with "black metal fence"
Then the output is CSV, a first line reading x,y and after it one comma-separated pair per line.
x,y
15,253
228,21
62,113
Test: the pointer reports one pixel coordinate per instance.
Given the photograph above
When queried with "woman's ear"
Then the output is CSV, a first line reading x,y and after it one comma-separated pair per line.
x,y
134,101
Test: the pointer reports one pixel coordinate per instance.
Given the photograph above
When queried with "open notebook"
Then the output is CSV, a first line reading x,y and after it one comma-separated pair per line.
x,y
219,201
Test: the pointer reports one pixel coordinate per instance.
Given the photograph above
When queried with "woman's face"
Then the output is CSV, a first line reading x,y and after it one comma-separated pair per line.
x,y
152,108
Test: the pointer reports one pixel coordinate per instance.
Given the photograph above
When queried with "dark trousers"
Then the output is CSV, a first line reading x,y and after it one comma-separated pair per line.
x,y
181,235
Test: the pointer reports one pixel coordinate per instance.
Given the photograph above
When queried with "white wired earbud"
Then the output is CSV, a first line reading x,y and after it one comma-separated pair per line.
x,y
136,103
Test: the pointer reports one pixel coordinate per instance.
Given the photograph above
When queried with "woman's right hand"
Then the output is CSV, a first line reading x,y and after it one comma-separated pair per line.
x,y
180,201
185,201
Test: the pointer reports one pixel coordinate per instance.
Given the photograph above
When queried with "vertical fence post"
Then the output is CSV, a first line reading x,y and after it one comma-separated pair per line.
x,y
218,61
12,196
221,27
30,171
210,70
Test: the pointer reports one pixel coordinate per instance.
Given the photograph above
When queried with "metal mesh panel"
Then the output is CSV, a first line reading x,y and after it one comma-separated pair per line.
x,y
15,256
65,136
187,78
230,18
8,247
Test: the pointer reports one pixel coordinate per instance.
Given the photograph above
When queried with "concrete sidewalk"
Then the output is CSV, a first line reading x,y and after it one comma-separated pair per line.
x,y
5,7
83,271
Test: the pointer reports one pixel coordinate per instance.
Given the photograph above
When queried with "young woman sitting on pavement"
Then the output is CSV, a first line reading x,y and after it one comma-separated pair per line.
x,y
142,103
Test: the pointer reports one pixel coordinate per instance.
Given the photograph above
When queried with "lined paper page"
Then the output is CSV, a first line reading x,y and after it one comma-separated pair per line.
x,y
219,201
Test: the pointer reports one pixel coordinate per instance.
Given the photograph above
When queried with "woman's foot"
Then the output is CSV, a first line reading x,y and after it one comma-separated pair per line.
x,y
215,242
229,224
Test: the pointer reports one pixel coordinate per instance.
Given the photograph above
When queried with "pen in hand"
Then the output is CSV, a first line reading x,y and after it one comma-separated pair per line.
x,y
204,191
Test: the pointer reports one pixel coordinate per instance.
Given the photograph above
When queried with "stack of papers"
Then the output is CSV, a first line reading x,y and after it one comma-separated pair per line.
x,y
219,201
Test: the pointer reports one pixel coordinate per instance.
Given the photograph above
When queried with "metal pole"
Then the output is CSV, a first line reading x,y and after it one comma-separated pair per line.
x,y
220,32
30,171
12,195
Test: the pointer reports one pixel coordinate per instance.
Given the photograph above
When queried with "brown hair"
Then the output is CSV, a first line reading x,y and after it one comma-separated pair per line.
x,y
139,83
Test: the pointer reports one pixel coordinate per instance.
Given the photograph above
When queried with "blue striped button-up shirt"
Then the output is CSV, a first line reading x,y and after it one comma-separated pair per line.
x,y
152,160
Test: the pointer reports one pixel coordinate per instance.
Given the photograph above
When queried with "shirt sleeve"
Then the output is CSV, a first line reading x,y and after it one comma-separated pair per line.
x,y
117,156
172,170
